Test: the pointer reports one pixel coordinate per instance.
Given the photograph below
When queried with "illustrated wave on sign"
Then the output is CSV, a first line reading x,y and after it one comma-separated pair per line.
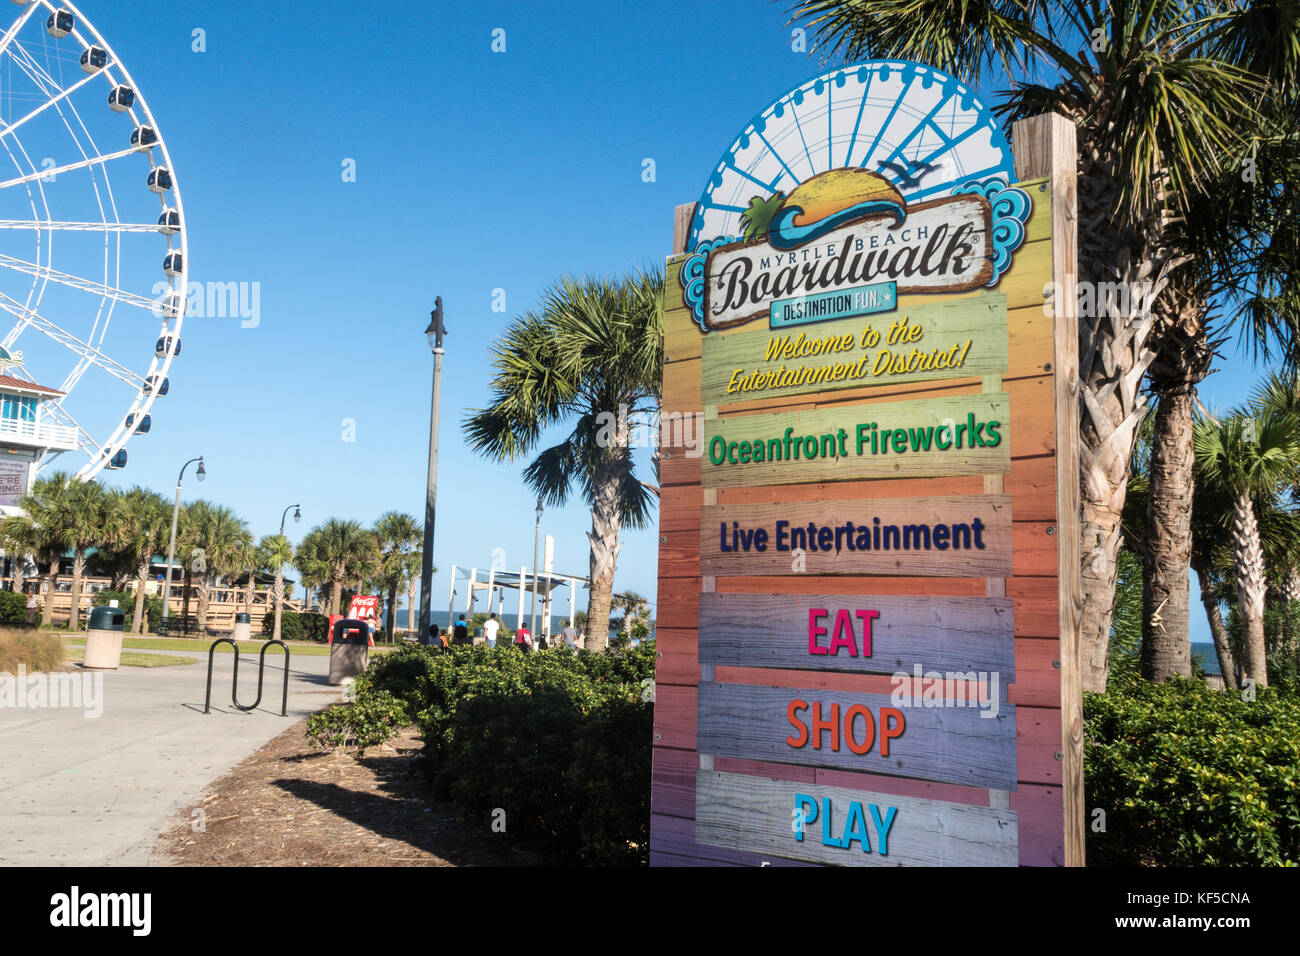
x,y
692,277
828,201
1010,206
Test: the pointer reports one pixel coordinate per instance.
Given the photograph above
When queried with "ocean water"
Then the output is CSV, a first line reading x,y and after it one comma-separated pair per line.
x,y
509,619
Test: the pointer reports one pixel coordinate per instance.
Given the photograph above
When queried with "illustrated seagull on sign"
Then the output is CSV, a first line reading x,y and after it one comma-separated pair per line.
x,y
910,176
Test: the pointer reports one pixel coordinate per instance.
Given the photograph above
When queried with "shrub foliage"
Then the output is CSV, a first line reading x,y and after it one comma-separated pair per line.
x,y
1190,776
559,741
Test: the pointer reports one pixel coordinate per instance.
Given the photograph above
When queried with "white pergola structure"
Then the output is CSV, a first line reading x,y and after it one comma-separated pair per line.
x,y
498,581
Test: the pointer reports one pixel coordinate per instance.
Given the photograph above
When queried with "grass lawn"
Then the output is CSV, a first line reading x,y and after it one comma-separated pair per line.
x,y
303,648
77,652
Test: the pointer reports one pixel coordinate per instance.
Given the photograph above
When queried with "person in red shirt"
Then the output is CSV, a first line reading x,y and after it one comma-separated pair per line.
x,y
524,639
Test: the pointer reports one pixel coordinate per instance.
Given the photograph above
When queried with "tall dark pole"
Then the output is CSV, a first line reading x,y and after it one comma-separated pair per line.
x,y
278,591
171,546
434,332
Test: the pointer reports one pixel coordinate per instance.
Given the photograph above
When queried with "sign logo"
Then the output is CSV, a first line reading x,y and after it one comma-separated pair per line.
x,y
847,243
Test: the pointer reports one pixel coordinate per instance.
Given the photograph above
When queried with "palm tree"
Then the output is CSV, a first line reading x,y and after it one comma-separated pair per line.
x,y
398,534
592,359
84,517
411,569
247,558
37,531
277,551
213,537
1157,118
1244,456
336,554
1242,246
141,528
635,620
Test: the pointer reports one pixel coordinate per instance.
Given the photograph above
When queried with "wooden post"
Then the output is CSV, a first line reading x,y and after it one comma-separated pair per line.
x,y
1046,146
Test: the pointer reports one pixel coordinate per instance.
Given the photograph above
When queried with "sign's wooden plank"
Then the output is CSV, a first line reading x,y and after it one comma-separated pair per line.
x,y
842,827
956,536
819,728
1031,483
951,338
859,633
941,437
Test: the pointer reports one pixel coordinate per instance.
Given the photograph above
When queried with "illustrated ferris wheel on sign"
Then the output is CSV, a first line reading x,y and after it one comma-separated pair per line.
x,y
917,127
92,245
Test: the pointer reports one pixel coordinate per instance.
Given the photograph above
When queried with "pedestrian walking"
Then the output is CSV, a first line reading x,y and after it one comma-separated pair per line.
x,y
490,629
523,639
570,636
33,604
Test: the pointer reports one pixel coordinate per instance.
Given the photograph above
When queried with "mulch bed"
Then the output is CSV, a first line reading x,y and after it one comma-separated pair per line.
x,y
292,805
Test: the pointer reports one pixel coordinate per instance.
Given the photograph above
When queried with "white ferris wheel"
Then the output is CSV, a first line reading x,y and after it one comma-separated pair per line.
x,y
91,301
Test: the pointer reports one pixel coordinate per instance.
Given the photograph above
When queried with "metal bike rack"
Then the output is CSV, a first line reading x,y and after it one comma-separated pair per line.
x,y
261,673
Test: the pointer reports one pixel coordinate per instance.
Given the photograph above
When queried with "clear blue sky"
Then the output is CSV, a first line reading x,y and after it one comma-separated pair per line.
x,y
475,171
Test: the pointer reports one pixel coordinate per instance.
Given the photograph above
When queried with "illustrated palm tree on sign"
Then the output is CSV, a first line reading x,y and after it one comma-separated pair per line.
x,y
1158,118
1242,457
592,360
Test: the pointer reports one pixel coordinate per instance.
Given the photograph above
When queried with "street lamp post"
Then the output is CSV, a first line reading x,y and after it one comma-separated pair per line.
x,y
171,546
278,592
537,534
434,333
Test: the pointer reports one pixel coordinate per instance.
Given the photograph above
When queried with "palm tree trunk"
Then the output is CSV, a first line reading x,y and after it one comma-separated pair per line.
x,y
1113,358
204,594
410,609
336,590
1248,555
1166,643
277,594
138,622
185,600
78,572
606,522
392,611
1219,633
47,608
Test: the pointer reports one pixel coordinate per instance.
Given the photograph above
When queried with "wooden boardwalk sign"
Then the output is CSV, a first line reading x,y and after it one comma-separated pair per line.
x,y
867,626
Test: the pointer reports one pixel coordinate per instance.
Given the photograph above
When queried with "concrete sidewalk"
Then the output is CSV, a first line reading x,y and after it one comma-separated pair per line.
x,y
95,791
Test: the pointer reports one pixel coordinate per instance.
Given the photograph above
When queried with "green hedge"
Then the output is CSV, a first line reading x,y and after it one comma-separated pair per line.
x,y
559,741
13,609
1190,776
295,626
